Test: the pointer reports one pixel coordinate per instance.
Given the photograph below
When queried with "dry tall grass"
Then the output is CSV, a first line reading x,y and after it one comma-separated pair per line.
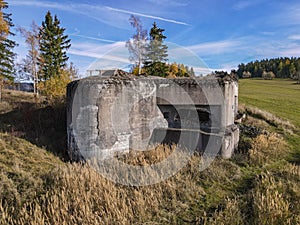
x,y
78,194
269,118
269,204
37,188
231,214
267,148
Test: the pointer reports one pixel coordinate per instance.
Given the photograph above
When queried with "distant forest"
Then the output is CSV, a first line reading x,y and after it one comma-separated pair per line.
x,y
281,67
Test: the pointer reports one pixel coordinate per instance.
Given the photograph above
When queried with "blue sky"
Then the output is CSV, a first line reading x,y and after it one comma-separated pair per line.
x,y
219,34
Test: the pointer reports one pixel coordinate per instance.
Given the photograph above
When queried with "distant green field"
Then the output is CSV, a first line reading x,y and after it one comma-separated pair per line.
x,y
279,97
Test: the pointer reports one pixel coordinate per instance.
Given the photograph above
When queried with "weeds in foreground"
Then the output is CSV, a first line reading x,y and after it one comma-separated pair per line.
x,y
78,194
269,118
267,148
269,204
37,188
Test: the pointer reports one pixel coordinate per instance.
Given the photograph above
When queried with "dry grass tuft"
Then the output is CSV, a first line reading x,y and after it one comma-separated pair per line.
x,y
267,148
230,215
5,107
269,204
37,188
78,194
269,118
143,158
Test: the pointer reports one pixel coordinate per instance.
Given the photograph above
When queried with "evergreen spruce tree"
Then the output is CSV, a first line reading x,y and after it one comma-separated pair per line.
x,y
4,28
156,53
6,46
53,46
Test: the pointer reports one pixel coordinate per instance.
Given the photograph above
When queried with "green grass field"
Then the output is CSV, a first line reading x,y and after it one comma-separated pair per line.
x,y
279,97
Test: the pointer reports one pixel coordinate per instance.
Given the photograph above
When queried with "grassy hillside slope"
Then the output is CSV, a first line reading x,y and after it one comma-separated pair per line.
x,y
258,185
280,97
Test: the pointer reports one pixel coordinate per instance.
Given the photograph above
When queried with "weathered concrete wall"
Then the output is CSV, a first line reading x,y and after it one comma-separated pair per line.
x,y
107,115
230,102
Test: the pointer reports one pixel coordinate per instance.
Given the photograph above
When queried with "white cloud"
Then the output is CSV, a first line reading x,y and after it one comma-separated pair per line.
x,y
104,14
147,16
240,5
217,47
169,3
202,70
293,13
93,38
290,50
108,56
289,14
262,47
268,33
37,4
97,12
95,50
294,37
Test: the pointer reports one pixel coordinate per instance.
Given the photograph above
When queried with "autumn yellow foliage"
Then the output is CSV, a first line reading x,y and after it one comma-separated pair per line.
x,y
4,28
55,88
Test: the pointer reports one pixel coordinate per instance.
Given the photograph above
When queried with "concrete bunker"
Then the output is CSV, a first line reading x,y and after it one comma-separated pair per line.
x,y
113,114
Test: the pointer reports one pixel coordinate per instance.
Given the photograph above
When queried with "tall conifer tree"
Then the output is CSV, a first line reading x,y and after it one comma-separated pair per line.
x,y
156,53
53,46
6,45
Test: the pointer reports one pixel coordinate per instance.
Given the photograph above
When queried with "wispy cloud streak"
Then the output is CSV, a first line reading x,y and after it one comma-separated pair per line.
x,y
169,3
115,50
92,38
40,4
89,10
292,15
146,16
295,37
217,47
240,5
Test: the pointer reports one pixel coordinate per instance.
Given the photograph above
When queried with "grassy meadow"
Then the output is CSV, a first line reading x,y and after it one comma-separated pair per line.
x,y
258,185
279,97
